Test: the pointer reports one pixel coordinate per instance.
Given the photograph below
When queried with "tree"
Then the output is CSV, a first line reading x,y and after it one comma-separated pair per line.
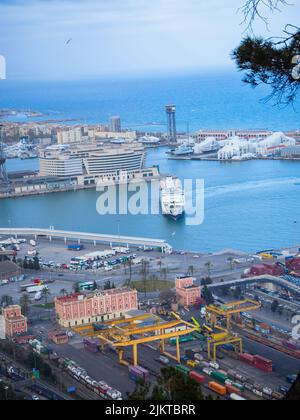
x,y
273,61
130,264
274,306
25,304
206,281
171,386
36,264
167,296
25,263
45,295
191,270
164,273
63,292
231,262
207,296
6,300
76,287
237,292
208,265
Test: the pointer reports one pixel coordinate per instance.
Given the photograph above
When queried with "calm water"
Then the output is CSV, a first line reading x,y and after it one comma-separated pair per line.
x,y
215,100
248,206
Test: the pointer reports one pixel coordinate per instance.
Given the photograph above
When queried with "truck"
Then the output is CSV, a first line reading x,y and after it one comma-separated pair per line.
x,y
36,289
32,242
75,247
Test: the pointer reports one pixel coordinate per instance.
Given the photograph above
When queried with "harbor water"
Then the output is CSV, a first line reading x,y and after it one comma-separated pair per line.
x,y
249,206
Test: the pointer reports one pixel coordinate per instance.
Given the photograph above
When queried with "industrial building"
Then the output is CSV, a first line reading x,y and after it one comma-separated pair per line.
x,y
99,306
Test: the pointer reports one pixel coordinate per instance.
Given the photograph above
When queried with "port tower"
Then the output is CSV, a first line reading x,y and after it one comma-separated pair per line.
x,y
3,172
171,123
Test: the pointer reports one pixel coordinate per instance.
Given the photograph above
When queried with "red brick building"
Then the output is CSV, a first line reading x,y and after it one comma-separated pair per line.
x,y
187,293
15,323
99,306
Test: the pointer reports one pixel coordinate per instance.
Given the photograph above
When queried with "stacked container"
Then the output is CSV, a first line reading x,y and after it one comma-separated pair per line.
x,y
263,364
198,378
138,374
247,358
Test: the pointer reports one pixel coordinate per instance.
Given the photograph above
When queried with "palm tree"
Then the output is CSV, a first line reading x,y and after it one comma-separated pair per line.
x,y
191,270
231,262
208,265
45,294
63,292
6,300
164,272
25,302
130,264
159,265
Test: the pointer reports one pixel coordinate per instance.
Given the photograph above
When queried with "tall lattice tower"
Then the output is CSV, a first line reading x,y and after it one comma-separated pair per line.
x,y
171,122
3,173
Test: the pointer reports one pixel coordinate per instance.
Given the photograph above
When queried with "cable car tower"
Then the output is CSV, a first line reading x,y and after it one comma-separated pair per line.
x,y
3,172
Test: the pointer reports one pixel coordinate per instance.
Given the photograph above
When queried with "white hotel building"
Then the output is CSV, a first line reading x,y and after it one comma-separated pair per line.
x,y
92,163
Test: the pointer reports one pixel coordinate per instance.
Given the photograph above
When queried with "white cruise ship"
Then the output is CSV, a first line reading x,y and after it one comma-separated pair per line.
x,y
172,198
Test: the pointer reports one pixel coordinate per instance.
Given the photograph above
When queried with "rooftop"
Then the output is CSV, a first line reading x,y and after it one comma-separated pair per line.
x,y
86,295
8,267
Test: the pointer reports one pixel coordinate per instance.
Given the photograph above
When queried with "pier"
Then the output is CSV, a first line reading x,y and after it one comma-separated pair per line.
x,y
85,236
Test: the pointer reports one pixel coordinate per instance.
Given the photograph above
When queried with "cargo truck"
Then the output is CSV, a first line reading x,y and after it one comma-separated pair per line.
x,y
36,289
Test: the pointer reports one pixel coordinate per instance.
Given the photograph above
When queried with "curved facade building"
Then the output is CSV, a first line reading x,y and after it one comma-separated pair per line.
x,y
114,160
91,160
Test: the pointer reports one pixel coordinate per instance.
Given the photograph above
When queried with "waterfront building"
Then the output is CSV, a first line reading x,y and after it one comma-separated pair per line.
x,y
276,140
14,322
99,306
187,293
236,148
115,124
91,160
69,136
292,152
220,135
101,134
61,166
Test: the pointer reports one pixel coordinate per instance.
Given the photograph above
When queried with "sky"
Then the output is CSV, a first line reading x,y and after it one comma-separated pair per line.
x,y
74,39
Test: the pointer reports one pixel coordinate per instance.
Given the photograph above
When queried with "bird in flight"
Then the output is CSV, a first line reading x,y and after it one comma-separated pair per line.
x,y
69,41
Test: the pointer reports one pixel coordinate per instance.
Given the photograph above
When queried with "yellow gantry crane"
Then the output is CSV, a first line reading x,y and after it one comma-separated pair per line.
x,y
128,332
221,336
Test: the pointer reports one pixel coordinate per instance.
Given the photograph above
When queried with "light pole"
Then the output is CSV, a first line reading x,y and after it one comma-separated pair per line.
x,y
296,231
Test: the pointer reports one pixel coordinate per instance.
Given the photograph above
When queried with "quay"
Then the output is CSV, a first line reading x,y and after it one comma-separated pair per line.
x,y
85,236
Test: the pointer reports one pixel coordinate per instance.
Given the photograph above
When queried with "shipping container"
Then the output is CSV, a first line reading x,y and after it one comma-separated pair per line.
x,y
247,358
198,378
220,377
233,390
219,389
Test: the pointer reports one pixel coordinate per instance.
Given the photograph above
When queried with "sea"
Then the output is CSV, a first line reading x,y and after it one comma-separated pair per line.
x,y
249,206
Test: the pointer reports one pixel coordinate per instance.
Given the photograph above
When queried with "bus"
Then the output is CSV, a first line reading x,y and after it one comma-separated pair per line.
x,y
85,286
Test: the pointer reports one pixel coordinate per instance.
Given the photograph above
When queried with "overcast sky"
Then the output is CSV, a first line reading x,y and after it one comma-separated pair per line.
x,y
122,36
